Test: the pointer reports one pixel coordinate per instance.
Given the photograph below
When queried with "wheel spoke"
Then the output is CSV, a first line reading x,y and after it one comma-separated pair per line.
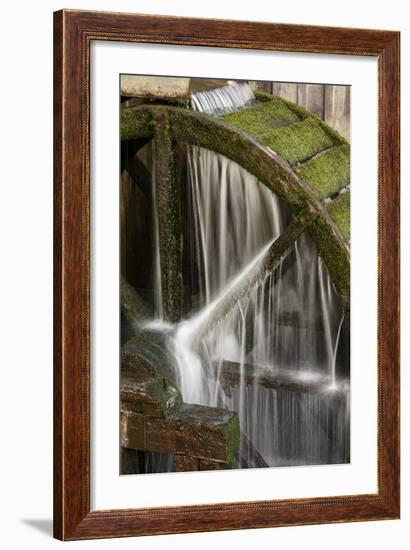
x,y
254,274
167,202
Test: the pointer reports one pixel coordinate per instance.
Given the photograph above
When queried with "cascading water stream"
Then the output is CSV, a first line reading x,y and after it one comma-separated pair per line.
x,y
289,322
223,100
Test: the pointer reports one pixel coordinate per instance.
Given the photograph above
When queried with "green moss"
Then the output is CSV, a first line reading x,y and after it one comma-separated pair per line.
x,y
339,211
304,113
164,393
133,307
256,120
298,142
136,123
263,96
149,347
232,438
169,224
335,254
328,172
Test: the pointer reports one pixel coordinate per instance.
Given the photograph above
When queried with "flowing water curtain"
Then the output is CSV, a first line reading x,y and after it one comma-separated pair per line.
x,y
287,323
291,321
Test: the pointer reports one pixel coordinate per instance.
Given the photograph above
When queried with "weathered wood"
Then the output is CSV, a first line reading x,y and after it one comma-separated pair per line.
x,y
205,464
186,463
192,430
312,98
135,224
261,86
169,222
337,109
287,90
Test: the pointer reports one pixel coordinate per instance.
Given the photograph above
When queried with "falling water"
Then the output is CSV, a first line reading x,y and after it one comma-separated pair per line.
x,y
223,100
289,324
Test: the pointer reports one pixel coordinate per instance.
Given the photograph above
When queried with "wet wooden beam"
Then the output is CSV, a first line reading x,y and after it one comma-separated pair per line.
x,y
154,418
186,463
193,431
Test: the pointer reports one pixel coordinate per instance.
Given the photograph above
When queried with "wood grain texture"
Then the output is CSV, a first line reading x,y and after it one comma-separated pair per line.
x,y
74,31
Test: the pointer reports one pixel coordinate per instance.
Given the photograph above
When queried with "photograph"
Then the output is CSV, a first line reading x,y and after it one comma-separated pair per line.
x,y
234,274
206,243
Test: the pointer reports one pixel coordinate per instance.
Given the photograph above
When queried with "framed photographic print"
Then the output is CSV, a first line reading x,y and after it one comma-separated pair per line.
x,y
226,335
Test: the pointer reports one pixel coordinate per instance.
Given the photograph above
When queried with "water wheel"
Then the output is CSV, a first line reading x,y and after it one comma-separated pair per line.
x,y
291,151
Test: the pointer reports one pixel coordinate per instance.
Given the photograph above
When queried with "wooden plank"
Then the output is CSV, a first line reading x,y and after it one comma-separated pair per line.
x,y
205,464
186,463
312,98
337,109
287,90
132,430
261,86
159,435
194,430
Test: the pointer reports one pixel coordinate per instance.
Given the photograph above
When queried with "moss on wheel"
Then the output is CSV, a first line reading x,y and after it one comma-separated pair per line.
x,y
136,123
298,142
339,211
328,172
272,114
304,113
335,254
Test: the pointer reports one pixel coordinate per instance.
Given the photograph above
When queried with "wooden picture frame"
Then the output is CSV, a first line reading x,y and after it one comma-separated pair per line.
x,y
74,32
